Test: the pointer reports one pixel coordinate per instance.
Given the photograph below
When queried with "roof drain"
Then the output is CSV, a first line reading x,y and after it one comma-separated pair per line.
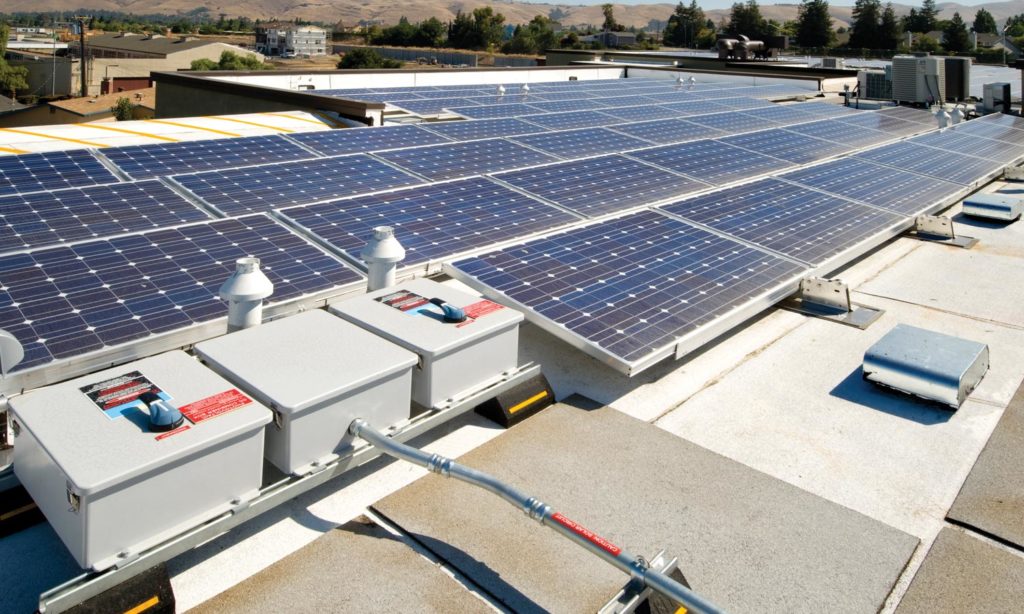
x,y
382,254
636,567
244,292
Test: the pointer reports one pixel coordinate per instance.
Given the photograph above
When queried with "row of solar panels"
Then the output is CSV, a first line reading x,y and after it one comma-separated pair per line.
x,y
68,301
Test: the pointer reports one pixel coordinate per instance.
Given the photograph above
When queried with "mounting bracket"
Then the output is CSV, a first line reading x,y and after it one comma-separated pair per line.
x,y
938,229
1013,173
829,299
635,592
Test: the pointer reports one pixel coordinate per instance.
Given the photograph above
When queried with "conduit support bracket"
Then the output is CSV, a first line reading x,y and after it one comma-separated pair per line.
x,y
829,299
635,592
938,229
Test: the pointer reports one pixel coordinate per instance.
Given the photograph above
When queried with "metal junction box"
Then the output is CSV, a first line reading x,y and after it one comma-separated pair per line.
x,y
453,357
317,373
927,364
994,206
109,485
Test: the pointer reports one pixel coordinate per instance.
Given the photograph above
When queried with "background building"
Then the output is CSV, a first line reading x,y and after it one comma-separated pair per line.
x,y
287,39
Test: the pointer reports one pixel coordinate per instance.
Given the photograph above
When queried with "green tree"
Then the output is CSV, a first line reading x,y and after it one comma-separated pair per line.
x,y
890,34
609,18
955,35
814,26
229,60
746,19
926,43
122,109
929,16
362,57
867,17
984,22
684,25
430,33
533,37
12,78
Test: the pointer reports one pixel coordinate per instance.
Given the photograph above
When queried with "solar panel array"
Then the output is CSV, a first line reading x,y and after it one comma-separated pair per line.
x,y
147,161
360,140
40,172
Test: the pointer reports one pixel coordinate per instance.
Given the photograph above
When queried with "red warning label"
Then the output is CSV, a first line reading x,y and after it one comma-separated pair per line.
x,y
481,308
587,534
218,404
180,429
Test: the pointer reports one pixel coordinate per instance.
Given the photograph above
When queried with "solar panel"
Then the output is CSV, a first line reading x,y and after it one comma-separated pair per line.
x,y
77,214
628,290
786,116
827,109
666,131
602,185
642,113
494,111
391,97
898,191
572,119
438,162
626,101
52,170
839,132
571,144
791,146
804,224
734,122
991,130
475,129
950,140
711,161
912,115
68,301
741,102
1002,119
554,95
883,123
434,106
687,105
946,165
559,106
361,140
255,189
432,222
147,161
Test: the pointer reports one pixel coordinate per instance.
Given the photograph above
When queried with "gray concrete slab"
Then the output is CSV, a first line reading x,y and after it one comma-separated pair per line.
x,y
747,541
357,567
963,573
992,497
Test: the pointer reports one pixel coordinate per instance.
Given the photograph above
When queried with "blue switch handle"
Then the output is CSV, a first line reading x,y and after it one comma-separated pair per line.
x,y
163,416
451,313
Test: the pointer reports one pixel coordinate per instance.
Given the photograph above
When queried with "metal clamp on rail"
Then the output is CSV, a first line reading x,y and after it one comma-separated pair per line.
x,y
636,567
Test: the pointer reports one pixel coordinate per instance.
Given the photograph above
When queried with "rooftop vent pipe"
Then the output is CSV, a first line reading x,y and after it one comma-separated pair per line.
x,y
244,292
501,90
526,88
957,115
942,118
382,254
11,352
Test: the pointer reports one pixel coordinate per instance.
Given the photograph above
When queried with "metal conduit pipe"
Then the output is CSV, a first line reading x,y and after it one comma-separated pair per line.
x,y
635,566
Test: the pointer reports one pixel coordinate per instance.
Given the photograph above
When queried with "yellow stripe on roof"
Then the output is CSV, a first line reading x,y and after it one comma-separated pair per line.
x,y
135,132
242,121
13,150
180,125
53,136
299,119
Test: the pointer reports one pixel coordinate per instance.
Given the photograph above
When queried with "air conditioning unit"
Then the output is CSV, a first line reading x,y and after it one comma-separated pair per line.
x,y
874,84
919,80
958,78
996,97
833,63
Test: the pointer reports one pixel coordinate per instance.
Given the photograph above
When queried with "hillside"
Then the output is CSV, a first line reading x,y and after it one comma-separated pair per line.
x,y
352,12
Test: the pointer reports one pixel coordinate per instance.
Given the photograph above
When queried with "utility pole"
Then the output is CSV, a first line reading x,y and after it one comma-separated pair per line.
x,y
81,50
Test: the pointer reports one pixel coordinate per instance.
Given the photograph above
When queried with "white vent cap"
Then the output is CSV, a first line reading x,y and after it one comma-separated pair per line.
x,y
247,283
383,247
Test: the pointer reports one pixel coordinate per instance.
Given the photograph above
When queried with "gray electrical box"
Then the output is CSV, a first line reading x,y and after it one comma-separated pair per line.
x,y
453,357
110,486
317,373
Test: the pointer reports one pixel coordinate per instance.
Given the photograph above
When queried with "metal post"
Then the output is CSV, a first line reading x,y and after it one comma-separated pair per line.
x,y
541,512
81,51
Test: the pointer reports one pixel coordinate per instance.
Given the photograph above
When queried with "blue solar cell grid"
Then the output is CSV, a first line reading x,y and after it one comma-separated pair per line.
x,y
51,171
951,140
677,97
147,161
434,106
919,116
77,214
782,115
666,131
598,186
826,109
476,129
792,146
626,101
631,286
67,301
991,130
711,161
888,188
572,144
572,119
839,132
495,111
432,222
740,102
735,122
946,165
691,107
642,113
883,123
560,106
801,223
556,96
257,189
361,140
438,162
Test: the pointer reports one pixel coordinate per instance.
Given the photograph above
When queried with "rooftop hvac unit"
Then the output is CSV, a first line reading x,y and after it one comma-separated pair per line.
x,y
958,78
996,97
833,63
918,80
874,84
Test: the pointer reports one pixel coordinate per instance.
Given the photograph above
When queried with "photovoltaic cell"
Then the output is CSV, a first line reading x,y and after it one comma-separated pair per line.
x,y
741,102
361,140
642,113
555,96
603,185
438,162
51,171
493,111
839,132
626,101
571,144
711,161
827,109
560,106
951,140
147,161
791,146
801,223
572,119
883,123
256,189
946,165
919,116
991,130
784,115
475,129
632,286
667,131
434,106
734,122
888,188
78,214
432,222
67,301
